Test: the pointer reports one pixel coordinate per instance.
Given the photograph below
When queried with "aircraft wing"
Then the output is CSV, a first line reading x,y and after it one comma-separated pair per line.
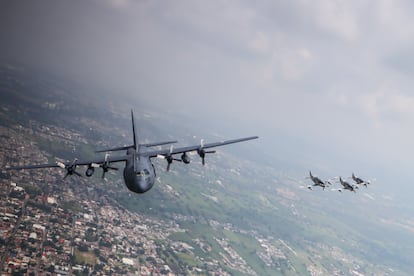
x,y
109,159
196,147
32,167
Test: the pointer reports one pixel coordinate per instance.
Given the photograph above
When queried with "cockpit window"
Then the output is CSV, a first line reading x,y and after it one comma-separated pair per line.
x,y
144,172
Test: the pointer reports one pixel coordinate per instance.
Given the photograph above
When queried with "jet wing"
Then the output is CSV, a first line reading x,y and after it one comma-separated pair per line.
x,y
109,159
196,147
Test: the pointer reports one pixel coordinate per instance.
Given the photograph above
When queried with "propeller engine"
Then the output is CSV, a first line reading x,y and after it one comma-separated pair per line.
x,y
106,166
70,169
185,158
169,157
91,169
202,153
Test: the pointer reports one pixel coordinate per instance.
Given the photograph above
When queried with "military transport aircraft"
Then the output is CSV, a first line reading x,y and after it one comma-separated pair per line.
x,y
317,182
139,172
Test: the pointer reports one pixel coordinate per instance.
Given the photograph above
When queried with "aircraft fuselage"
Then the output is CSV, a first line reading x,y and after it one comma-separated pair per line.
x,y
139,173
346,185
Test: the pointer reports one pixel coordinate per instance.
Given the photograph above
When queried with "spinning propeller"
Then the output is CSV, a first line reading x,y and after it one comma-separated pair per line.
x,y
70,169
169,157
106,166
202,153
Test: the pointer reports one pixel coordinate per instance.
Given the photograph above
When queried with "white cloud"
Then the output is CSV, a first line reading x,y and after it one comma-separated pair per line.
x,y
294,62
119,4
338,17
391,103
260,42
393,18
302,66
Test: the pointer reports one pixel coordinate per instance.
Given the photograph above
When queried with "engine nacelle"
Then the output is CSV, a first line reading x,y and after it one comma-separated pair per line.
x,y
185,158
89,171
201,152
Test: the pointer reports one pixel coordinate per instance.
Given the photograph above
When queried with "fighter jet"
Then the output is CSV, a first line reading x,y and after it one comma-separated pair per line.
x,y
317,182
139,172
347,186
359,181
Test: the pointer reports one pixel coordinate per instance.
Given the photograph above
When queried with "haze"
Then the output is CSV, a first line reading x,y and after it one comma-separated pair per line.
x,y
326,84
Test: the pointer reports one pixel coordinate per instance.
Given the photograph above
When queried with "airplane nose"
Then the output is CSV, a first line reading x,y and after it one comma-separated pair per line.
x,y
142,185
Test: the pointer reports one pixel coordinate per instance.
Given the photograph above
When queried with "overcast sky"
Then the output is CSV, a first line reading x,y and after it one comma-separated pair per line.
x,y
335,77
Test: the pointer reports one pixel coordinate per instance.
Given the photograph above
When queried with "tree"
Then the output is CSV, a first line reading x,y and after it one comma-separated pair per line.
x,y
51,269
83,248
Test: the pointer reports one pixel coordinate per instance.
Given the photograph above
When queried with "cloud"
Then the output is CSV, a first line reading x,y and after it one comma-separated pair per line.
x,y
339,18
310,69
391,103
260,42
119,3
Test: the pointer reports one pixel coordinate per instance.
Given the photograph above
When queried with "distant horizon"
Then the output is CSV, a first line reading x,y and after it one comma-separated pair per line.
x,y
324,84
277,148
248,198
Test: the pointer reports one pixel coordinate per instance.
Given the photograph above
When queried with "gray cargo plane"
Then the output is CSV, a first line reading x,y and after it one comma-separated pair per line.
x,y
139,172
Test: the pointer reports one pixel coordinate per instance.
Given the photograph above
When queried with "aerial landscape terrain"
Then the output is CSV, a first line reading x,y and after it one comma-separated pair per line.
x,y
237,215
322,90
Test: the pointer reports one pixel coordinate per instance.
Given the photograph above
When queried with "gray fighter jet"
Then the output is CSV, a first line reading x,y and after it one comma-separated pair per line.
x,y
139,172
359,181
347,186
317,182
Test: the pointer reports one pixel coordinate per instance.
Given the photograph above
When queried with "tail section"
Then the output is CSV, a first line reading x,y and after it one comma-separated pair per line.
x,y
158,143
353,176
133,131
136,144
115,149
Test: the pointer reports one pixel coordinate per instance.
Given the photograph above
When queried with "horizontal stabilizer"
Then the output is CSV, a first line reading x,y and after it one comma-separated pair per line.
x,y
158,143
116,149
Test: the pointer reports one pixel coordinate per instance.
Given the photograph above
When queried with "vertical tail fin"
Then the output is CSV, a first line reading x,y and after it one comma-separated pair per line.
x,y
134,146
133,131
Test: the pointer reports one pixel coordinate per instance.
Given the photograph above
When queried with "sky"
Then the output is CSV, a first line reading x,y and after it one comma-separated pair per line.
x,y
326,83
